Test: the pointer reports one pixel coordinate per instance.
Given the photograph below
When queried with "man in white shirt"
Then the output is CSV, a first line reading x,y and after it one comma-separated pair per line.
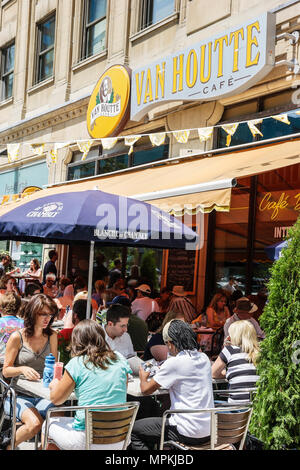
x,y
116,335
187,375
143,305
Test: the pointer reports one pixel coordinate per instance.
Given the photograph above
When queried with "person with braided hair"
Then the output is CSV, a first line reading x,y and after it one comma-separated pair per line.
x,y
187,376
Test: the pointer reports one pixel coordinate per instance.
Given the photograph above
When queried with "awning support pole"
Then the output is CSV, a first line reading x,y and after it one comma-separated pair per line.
x,y
90,280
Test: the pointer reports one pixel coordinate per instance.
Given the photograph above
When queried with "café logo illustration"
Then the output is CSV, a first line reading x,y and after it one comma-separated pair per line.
x,y
108,108
108,102
51,209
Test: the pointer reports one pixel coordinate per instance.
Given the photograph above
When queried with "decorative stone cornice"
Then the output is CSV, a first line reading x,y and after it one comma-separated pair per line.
x,y
28,127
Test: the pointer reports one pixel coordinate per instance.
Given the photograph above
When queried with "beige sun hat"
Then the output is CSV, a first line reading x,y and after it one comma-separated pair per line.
x,y
179,290
144,288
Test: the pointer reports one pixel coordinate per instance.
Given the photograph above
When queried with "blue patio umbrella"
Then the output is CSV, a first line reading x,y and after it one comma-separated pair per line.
x,y
92,216
274,251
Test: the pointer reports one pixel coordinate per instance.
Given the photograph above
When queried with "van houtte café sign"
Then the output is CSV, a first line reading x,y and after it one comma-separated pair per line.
x,y
223,65
220,66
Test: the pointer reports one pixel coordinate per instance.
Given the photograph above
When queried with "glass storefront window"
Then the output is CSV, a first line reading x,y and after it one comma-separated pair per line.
x,y
83,170
277,209
111,164
231,234
270,128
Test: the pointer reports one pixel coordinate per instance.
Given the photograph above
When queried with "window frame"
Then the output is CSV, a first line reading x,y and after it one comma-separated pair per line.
x,y
146,14
5,75
39,53
85,28
103,156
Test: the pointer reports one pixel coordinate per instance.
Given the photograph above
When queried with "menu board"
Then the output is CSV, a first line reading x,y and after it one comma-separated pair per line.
x,y
182,269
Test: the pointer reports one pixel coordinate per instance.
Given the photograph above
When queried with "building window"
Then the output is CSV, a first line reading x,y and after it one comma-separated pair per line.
x,y
99,161
94,37
153,11
7,71
45,49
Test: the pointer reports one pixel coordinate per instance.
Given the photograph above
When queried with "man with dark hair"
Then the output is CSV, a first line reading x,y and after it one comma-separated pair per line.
x,y
33,288
187,376
117,318
137,328
50,265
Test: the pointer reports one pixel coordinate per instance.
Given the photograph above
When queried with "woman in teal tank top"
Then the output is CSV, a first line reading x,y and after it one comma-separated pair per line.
x,y
98,376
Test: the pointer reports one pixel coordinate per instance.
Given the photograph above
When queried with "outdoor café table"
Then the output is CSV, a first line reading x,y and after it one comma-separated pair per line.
x,y
134,388
36,389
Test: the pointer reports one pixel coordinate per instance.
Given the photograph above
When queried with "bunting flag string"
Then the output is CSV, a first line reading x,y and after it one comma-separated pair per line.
x,y
205,133
157,139
130,141
84,147
181,136
252,126
14,150
230,129
109,142
282,118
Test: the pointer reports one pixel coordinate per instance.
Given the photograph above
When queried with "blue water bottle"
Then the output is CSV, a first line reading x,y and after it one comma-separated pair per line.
x,y
48,370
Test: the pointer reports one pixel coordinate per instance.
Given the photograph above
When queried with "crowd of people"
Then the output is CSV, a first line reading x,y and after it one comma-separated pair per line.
x,y
127,326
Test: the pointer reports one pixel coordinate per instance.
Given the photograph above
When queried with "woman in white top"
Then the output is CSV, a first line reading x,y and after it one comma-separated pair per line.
x,y
187,376
35,270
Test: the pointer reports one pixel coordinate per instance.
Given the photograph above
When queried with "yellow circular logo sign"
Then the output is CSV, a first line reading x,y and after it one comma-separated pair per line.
x,y
108,108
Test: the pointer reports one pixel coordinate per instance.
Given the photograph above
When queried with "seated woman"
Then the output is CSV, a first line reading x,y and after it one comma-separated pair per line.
x,y
217,312
8,284
34,270
238,360
25,355
187,376
99,377
156,348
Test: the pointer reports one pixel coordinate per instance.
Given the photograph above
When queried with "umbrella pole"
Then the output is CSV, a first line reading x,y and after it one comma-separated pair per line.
x,y
90,280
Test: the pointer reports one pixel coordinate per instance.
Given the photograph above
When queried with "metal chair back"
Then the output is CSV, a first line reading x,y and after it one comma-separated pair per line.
x,y
108,425
105,424
7,391
229,425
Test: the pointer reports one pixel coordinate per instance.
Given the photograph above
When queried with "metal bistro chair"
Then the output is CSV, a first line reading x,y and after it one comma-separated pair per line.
x,y
227,428
104,424
235,393
7,391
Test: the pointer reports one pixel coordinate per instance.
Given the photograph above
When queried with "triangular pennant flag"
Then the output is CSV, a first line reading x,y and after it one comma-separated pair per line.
x,y
13,152
54,152
38,149
205,133
282,118
157,139
84,147
108,143
181,136
130,141
230,129
252,126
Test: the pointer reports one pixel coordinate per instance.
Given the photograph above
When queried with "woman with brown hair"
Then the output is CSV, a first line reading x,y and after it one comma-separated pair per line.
x,y
8,284
25,355
99,377
217,312
34,271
